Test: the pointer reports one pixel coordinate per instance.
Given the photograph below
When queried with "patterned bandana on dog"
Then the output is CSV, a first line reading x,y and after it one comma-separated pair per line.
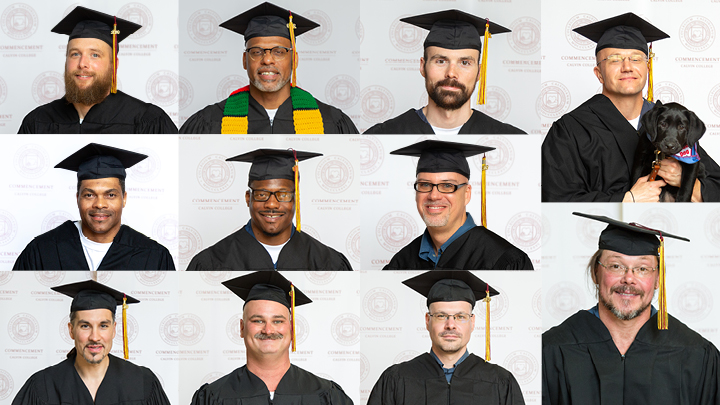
x,y
688,155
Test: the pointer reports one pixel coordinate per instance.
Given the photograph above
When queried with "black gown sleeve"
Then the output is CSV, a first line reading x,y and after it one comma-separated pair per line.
x,y
711,182
513,259
383,392
197,124
157,395
155,121
345,125
29,259
29,395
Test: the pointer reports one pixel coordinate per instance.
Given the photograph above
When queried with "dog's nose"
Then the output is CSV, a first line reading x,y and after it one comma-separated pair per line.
x,y
671,144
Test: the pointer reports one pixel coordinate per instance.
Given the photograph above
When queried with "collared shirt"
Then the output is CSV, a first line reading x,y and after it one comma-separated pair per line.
x,y
275,253
449,371
595,311
427,251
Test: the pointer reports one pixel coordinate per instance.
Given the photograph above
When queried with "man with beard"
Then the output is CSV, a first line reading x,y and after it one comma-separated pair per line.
x,y
269,241
92,104
99,241
90,374
451,240
449,373
267,327
588,153
451,67
272,103
623,350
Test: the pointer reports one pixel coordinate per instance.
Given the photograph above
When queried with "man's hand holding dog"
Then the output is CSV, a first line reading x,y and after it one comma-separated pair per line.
x,y
644,190
671,172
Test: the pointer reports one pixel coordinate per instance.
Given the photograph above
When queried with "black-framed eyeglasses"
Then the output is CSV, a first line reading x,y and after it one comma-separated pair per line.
x,y
445,188
618,59
460,317
264,195
620,269
278,52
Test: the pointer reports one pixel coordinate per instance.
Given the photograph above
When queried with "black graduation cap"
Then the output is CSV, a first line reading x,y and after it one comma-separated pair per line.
x,y
450,285
266,285
96,161
86,23
454,29
626,31
629,238
268,20
272,163
442,156
90,294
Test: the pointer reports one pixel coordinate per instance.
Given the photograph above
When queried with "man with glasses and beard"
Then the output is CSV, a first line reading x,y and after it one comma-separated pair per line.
x,y
269,240
92,104
451,240
623,350
90,374
451,67
272,102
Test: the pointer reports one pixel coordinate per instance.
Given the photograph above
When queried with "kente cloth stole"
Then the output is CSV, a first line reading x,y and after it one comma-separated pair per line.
x,y
306,115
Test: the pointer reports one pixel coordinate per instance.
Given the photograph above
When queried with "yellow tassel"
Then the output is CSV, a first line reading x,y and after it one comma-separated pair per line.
x,y
292,314
292,27
662,293
483,210
126,350
114,32
483,65
487,323
650,75
296,169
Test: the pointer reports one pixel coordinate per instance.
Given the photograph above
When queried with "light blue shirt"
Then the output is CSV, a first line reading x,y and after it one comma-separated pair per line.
x,y
449,371
427,251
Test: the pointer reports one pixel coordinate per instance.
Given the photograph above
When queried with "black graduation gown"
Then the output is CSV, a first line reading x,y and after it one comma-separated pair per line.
x,y
410,123
124,384
241,251
421,381
588,155
582,366
209,119
118,114
61,249
297,387
477,249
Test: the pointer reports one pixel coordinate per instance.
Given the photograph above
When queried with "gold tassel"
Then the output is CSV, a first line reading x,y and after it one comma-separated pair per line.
x,y
296,169
292,27
126,350
292,314
650,75
114,32
483,65
483,209
487,323
662,293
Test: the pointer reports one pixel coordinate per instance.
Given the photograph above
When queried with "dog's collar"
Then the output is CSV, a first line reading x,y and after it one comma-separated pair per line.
x,y
688,155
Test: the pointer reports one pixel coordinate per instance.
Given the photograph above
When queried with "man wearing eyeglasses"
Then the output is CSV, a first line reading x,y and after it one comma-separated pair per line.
x,y
272,103
451,240
270,241
623,350
588,153
449,373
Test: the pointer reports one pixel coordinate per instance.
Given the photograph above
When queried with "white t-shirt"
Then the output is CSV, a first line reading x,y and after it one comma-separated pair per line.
x,y
271,114
272,394
274,251
446,131
94,251
634,122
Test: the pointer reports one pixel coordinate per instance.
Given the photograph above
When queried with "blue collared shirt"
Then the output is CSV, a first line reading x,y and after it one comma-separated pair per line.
x,y
449,371
249,230
427,251
595,311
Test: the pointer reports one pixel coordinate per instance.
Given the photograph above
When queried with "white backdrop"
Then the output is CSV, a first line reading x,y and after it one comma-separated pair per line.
x,y
212,193
36,197
388,199
393,326
692,268
33,58
35,318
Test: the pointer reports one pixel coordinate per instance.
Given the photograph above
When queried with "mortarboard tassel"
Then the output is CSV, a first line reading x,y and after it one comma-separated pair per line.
x,y
483,64
292,314
296,169
126,350
292,27
114,32
662,293
483,210
650,75
487,323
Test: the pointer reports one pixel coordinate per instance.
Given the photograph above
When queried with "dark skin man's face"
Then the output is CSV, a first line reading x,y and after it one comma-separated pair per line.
x,y
271,220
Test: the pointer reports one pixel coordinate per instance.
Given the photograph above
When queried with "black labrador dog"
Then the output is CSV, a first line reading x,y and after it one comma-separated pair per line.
x,y
673,130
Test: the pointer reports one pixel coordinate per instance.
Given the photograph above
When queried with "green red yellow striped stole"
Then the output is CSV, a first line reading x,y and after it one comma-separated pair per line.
x,y
306,115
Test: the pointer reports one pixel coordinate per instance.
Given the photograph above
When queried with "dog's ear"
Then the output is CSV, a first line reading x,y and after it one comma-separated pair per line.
x,y
696,128
649,120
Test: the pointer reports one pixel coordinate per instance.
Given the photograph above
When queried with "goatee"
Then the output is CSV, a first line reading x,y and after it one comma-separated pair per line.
x,y
448,100
91,95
